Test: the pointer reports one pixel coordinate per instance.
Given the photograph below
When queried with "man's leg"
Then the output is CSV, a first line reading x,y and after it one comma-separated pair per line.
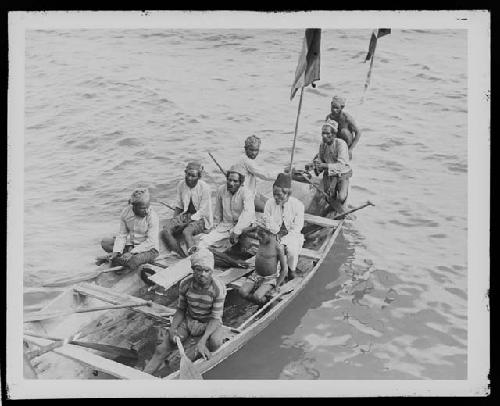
x,y
108,243
246,289
192,229
217,338
172,226
165,345
142,258
342,191
262,292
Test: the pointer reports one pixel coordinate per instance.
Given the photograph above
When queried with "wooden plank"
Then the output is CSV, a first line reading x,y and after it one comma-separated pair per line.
x,y
306,252
110,296
320,221
95,361
232,274
166,278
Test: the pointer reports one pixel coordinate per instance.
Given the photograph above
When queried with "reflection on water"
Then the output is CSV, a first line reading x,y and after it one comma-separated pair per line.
x,y
108,110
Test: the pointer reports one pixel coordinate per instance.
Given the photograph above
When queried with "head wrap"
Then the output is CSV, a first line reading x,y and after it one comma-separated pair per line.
x,y
238,168
263,222
203,257
332,124
283,180
252,141
193,165
139,195
339,100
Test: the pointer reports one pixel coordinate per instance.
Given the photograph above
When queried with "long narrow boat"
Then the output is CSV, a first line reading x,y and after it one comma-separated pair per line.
x,y
137,327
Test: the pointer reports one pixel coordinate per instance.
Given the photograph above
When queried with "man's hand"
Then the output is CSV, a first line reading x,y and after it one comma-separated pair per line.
x,y
202,349
186,217
233,238
113,255
127,256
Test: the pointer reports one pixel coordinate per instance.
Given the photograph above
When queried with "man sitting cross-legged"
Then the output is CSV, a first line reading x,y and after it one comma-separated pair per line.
x,y
137,242
199,311
265,278
193,211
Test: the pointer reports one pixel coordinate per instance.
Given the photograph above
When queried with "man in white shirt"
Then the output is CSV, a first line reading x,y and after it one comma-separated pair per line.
x,y
286,218
137,241
253,170
333,161
193,211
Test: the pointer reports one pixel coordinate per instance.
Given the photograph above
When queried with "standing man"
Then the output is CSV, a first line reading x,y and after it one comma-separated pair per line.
x,y
347,128
137,241
193,211
286,218
333,161
199,311
254,170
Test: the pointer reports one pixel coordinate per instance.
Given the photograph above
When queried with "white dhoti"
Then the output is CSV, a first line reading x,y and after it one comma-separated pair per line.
x,y
221,232
293,242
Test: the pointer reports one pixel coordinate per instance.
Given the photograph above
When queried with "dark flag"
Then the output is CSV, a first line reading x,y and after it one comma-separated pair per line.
x,y
373,41
308,67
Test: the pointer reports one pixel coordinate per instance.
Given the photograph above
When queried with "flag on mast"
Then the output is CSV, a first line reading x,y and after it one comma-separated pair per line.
x,y
376,34
308,67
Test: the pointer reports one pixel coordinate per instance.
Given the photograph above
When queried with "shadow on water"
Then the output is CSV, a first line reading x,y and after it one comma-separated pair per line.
x,y
266,355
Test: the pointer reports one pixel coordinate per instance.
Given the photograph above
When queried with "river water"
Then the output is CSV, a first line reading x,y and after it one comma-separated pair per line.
x,y
109,110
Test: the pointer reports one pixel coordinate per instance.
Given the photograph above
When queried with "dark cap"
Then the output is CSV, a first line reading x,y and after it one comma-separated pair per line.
x,y
283,180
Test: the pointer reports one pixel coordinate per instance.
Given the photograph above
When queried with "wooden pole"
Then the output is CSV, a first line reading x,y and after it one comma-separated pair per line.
x,y
368,78
296,128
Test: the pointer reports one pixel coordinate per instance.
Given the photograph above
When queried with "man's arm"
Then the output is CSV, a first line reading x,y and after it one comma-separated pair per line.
x,y
205,209
248,213
354,129
218,216
283,265
342,164
258,172
298,220
153,232
268,212
215,320
121,238
179,204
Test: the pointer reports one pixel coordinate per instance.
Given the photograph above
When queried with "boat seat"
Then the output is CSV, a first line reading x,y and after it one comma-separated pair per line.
x,y
110,296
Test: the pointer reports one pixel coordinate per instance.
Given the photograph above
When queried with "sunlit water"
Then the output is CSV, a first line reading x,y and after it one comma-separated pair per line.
x,y
108,110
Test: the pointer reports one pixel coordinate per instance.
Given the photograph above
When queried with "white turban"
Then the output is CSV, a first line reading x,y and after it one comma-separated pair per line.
x,y
203,257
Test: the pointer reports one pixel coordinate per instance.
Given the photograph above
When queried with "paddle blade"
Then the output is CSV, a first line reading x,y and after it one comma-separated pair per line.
x,y
188,370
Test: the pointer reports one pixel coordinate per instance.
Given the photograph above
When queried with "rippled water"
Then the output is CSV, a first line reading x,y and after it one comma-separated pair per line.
x,y
107,110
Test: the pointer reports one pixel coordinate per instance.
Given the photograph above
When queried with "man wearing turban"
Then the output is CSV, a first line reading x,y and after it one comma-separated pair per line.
x,y
286,218
253,169
137,241
333,161
193,210
347,128
199,311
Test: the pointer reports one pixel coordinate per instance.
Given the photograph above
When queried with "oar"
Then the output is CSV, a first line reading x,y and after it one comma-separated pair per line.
x,y
110,349
187,370
216,163
170,207
69,280
50,315
341,215
42,350
285,289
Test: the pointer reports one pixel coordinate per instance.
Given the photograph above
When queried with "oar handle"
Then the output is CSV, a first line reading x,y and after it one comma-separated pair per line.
x,y
148,303
216,163
339,216
180,346
170,207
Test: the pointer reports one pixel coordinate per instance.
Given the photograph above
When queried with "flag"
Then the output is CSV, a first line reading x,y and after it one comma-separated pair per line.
x,y
373,41
308,67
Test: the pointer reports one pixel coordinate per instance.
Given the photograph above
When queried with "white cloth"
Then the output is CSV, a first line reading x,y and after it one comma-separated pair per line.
x,y
141,232
253,170
291,214
202,201
236,210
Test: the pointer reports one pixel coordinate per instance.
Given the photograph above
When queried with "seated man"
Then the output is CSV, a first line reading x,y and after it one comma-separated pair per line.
x,y
347,128
333,161
253,169
286,218
265,278
137,241
199,311
193,211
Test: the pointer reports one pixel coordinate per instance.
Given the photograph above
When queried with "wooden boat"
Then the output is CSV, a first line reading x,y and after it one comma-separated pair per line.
x,y
136,327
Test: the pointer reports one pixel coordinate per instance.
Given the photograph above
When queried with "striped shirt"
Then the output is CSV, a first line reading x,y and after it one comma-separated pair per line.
x,y
202,304
141,232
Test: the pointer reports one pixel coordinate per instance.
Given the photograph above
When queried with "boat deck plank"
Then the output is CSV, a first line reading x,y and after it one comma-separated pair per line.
x,y
321,221
110,296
